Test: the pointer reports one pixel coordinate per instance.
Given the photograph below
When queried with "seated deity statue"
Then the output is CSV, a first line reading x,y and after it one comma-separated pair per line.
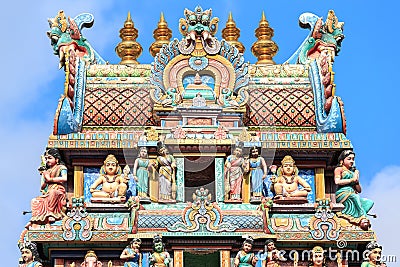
x,y
113,184
29,255
286,185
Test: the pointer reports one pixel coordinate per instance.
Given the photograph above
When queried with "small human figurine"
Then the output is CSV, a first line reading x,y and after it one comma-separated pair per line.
x,y
166,174
348,180
199,101
317,257
159,257
245,257
91,260
29,255
113,184
141,175
373,253
258,172
271,256
233,174
50,206
132,254
286,185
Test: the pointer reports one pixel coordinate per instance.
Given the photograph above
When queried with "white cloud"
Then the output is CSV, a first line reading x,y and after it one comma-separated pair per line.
x,y
384,190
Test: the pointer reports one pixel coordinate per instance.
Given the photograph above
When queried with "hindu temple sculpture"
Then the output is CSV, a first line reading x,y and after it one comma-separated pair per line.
x,y
131,254
113,183
235,166
159,257
141,173
50,206
91,260
29,255
373,254
286,185
166,174
258,172
245,257
271,256
347,178
317,257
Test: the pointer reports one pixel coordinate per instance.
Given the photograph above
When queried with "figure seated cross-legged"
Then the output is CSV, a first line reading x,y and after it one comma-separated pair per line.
x,y
113,184
286,185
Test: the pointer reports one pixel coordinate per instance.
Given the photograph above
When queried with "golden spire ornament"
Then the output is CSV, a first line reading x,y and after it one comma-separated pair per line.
x,y
264,48
231,34
162,35
128,50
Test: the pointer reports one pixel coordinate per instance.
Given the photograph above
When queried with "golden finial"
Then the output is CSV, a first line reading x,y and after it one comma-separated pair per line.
x,y
231,34
162,34
128,50
264,48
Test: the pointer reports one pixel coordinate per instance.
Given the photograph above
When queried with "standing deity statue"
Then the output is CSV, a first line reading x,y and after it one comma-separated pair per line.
x,y
132,254
258,172
348,180
166,174
235,166
159,257
317,257
373,253
271,256
29,255
286,185
245,257
113,184
91,260
50,206
141,173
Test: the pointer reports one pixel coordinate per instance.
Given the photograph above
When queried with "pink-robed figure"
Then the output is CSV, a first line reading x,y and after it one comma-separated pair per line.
x,y
50,206
234,168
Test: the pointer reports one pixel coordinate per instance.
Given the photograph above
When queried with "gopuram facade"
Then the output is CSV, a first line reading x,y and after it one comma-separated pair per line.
x,y
198,158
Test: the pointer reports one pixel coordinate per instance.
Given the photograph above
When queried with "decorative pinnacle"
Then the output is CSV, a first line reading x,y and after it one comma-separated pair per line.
x,y
231,34
264,48
128,50
162,35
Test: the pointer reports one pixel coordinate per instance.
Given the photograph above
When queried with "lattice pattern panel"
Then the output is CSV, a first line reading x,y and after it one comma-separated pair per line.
x,y
280,107
117,107
245,222
157,221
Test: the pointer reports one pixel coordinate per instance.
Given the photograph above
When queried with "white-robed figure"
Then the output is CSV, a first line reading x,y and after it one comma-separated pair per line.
x,y
166,174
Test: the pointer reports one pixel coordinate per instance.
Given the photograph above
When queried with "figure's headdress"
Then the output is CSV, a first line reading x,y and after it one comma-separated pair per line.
x,y
90,253
317,249
111,158
249,240
287,159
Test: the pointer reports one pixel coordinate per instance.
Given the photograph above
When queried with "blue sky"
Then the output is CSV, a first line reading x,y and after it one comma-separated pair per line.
x,y
365,80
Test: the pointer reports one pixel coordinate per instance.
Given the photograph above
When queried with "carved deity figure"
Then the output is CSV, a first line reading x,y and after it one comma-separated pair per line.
x,y
50,206
245,257
348,180
235,166
318,257
159,257
199,101
258,172
166,174
113,184
286,185
141,169
29,255
271,256
373,253
91,260
132,254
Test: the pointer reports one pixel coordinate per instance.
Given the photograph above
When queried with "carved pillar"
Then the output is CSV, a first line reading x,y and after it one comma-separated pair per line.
x,y
153,184
319,183
78,181
178,258
246,188
219,179
180,179
225,256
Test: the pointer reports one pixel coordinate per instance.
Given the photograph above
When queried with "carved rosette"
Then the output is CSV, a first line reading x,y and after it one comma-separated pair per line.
x,y
77,225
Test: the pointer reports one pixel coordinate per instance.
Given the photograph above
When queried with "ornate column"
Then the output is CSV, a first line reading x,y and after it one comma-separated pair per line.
x,y
78,181
180,179
219,179
178,258
225,258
